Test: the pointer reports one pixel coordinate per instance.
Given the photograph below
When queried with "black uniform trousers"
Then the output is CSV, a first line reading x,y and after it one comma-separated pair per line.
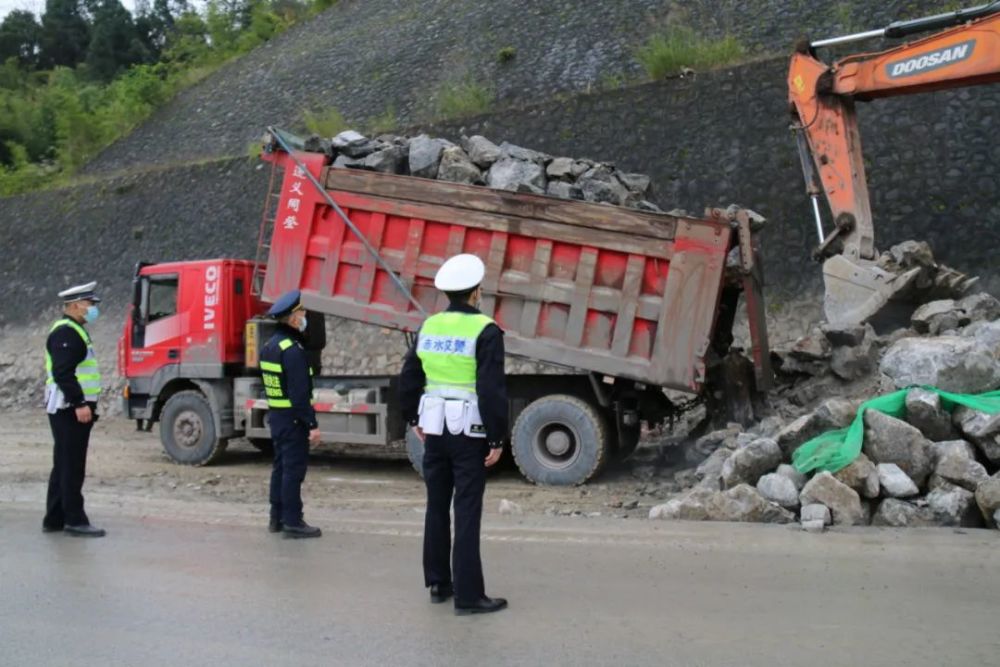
x,y
291,458
64,505
454,464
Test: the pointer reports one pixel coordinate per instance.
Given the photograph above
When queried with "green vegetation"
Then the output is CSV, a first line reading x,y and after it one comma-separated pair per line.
x,y
253,150
506,54
463,98
666,53
329,122
386,121
326,123
613,81
843,13
88,72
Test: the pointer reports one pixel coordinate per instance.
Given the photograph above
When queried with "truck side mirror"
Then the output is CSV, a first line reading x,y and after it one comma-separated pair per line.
x,y
137,289
136,299
315,335
315,339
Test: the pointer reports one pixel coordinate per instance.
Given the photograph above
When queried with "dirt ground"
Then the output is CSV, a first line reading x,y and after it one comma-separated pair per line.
x,y
129,470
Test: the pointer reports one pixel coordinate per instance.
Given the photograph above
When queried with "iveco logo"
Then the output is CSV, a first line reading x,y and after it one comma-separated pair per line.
x,y
933,60
211,296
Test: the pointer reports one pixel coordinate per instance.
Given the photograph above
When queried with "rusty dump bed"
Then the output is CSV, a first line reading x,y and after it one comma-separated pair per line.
x,y
593,287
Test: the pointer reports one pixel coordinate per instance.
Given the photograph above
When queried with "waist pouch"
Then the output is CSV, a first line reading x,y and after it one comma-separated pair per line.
x,y
459,416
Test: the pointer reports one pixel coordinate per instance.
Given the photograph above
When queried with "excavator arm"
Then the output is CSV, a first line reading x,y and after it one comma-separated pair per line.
x,y
822,100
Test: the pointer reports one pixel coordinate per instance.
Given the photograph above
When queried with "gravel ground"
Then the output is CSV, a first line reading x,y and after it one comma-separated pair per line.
x,y
125,466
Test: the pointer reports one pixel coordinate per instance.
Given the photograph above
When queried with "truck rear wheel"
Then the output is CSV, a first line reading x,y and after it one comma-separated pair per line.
x,y
559,440
187,430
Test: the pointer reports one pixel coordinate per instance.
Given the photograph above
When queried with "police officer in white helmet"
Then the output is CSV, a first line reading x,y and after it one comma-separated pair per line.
x,y
72,389
453,392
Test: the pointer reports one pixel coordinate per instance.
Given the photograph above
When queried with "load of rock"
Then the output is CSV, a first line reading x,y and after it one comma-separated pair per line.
x,y
931,468
479,161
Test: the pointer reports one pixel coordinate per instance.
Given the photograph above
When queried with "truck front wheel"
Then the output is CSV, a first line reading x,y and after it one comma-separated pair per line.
x,y
187,430
559,440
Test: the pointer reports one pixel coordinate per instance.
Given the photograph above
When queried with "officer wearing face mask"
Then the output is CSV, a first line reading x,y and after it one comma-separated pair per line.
x,y
288,388
72,387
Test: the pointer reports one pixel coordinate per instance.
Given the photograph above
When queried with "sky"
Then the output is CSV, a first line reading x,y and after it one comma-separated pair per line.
x,y
38,6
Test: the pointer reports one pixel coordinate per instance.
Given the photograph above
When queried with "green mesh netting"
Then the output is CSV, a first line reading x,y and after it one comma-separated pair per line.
x,y
835,449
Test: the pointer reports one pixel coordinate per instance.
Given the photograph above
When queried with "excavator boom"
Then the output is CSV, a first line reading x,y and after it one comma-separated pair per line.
x,y
822,99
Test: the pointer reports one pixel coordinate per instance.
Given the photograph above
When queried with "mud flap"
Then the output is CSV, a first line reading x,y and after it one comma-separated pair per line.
x,y
732,391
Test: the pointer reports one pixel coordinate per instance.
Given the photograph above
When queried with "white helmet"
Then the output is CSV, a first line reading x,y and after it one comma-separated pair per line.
x,y
460,273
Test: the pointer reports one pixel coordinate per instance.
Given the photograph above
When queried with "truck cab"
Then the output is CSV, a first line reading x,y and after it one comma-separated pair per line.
x,y
183,342
189,355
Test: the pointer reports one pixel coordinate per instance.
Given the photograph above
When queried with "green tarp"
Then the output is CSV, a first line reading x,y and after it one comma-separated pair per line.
x,y
835,449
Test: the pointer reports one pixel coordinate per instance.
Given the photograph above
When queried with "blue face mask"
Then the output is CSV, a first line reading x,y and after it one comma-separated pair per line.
x,y
302,324
91,314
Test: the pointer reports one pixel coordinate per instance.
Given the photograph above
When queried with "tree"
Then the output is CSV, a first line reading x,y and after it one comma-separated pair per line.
x,y
156,23
19,37
65,34
188,42
114,42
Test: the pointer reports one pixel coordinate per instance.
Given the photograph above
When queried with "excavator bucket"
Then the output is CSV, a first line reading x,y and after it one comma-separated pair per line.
x,y
855,292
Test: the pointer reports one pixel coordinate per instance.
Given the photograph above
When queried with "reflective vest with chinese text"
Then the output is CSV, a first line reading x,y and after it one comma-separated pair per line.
x,y
446,347
272,374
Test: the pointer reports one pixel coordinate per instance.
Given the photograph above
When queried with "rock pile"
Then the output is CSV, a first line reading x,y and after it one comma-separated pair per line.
x,y
933,468
478,161
928,279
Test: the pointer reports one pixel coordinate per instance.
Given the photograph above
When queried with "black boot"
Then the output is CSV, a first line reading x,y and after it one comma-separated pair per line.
x,y
300,531
441,593
483,605
84,531
275,526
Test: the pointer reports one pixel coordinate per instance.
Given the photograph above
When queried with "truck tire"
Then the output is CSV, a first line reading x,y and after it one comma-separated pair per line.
x,y
415,451
187,430
559,440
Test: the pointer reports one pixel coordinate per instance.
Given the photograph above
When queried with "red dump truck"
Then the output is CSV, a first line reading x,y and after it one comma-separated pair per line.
x,y
626,303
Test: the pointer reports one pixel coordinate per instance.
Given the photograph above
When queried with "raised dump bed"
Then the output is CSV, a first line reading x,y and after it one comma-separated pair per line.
x,y
609,290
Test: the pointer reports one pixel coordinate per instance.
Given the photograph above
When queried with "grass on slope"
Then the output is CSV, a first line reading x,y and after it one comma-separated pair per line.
x,y
458,99
666,53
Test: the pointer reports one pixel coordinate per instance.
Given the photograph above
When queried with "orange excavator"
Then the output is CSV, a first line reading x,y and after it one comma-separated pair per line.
x,y
964,51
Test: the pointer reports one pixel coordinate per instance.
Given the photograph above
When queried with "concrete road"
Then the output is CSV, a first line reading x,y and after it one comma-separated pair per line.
x,y
601,592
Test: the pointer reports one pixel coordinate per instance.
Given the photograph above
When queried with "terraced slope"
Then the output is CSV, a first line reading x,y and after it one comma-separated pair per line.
x,y
390,58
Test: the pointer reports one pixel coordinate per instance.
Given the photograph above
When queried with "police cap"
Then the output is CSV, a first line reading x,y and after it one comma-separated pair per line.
x,y
460,273
83,292
285,304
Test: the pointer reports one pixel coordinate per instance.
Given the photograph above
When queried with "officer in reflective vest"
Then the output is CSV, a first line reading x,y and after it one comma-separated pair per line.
x,y
287,380
72,388
453,393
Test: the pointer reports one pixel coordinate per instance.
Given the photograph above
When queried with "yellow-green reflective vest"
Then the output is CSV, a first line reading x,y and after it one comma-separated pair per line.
x,y
87,372
446,347
271,373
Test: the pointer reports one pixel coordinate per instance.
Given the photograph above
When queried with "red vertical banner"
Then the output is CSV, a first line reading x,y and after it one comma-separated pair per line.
x,y
292,226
